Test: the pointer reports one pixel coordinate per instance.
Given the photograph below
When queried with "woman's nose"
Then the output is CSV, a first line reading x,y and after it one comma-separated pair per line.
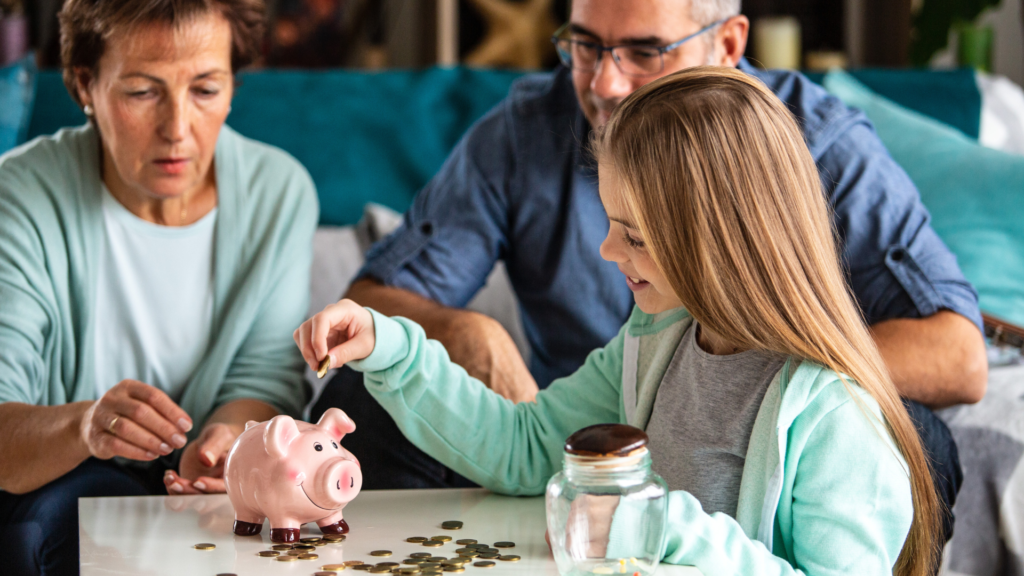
x,y
174,125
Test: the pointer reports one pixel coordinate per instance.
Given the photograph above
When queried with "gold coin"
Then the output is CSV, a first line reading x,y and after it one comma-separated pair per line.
x,y
409,570
454,569
465,541
414,561
304,547
380,570
281,547
416,539
478,546
362,567
353,562
431,571
321,543
328,572
452,524
433,543
269,553
443,538
436,559
484,564
381,553
325,365
334,537
308,556
457,560
333,567
205,546
388,564
310,540
430,565
504,544
509,558
287,558
420,555
295,552
488,556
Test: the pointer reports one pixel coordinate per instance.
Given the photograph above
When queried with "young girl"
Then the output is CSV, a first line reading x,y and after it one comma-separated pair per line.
x,y
746,360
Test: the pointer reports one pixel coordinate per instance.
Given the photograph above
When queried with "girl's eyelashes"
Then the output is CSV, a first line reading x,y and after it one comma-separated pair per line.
x,y
632,242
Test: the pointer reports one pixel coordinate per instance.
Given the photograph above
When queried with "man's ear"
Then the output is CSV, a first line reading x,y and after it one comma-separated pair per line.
x,y
731,41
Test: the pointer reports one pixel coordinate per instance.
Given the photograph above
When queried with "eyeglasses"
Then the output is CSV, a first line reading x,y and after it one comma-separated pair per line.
x,y
631,59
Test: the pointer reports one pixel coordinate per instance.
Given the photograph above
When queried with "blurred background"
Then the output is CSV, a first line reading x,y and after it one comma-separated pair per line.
x,y
807,34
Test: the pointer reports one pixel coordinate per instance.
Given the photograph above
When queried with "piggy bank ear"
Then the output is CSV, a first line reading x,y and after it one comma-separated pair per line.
x,y
279,435
250,424
336,423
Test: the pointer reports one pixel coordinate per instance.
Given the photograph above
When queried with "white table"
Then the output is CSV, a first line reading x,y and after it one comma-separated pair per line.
x,y
155,535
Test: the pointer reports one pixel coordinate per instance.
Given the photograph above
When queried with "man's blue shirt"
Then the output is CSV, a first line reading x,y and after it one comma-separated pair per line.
x,y
521,187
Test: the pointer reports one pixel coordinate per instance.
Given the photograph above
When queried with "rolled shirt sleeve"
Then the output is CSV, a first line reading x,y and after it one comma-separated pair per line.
x,y
457,227
897,265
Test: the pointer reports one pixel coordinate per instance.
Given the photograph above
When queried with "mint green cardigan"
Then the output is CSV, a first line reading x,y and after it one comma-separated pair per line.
x,y
824,490
51,233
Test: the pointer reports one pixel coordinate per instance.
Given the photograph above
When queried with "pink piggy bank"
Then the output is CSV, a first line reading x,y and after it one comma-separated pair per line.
x,y
292,473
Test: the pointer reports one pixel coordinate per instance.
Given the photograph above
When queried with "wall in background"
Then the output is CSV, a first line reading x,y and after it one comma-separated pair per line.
x,y
1008,57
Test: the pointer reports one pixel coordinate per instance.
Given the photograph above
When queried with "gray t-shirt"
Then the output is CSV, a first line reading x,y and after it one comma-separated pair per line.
x,y
702,419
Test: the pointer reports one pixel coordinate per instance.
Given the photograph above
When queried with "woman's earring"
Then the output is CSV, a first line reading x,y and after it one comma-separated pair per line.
x,y
87,109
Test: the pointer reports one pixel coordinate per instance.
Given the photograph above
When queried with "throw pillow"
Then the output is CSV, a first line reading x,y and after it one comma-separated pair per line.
x,y
975,194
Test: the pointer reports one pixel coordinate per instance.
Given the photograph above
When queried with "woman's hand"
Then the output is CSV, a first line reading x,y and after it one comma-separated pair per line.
x,y
136,421
202,462
343,330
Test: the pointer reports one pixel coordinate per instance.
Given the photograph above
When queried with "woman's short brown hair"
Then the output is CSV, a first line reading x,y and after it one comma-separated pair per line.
x,y
86,25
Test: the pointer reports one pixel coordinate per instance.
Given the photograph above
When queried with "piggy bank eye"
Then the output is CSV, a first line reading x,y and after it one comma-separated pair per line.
x,y
318,447
335,445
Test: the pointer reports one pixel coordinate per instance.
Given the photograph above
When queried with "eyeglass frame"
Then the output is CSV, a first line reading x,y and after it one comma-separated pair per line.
x,y
601,49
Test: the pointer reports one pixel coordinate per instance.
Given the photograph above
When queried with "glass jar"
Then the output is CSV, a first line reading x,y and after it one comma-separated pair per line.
x,y
606,508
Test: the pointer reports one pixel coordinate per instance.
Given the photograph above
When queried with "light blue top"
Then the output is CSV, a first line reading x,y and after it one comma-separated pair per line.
x,y
824,489
51,238
154,290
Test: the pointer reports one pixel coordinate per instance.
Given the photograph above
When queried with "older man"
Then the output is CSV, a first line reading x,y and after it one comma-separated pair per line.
x,y
520,188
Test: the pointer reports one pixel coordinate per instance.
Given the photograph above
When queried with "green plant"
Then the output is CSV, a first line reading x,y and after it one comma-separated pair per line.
x,y
934,20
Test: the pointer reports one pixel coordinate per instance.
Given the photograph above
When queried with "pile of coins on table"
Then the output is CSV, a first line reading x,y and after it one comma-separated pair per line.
x,y
304,549
470,554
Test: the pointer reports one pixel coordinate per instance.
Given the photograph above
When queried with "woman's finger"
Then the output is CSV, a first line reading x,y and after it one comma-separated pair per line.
x,y
177,485
147,417
214,444
118,447
126,429
209,485
163,404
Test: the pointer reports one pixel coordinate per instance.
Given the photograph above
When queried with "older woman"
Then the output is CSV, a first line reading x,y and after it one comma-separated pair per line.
x,y
153,264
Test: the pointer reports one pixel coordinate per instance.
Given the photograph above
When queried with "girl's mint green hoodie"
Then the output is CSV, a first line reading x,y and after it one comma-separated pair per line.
x,y
824,489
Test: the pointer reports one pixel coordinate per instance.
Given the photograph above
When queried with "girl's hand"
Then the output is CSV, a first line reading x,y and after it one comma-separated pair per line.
x,y
343,330
136,421
202,462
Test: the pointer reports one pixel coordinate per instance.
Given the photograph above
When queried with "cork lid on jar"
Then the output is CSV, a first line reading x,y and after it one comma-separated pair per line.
x,y
606,441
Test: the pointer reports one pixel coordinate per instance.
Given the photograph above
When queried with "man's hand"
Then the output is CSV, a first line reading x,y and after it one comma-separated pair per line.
x,y
474,341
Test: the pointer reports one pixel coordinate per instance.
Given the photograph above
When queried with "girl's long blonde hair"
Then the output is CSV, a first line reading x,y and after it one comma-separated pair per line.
x,y
720,184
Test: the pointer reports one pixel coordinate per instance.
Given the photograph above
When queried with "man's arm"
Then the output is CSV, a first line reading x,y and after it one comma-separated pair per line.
x,y
474,341
938,361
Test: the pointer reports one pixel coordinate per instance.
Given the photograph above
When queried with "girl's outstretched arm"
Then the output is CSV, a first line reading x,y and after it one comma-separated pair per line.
x,y
508,448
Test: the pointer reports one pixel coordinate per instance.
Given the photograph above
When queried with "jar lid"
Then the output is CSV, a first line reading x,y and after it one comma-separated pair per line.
x,y
606,441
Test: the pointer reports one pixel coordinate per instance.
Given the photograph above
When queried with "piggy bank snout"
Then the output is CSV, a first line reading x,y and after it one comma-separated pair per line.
x,y
338,481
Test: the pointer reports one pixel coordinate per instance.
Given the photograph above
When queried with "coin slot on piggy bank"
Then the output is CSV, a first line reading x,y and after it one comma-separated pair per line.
x,y
292,473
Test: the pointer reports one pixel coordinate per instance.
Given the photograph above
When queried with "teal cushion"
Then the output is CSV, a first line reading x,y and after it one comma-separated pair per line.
x,y
949,96
364,137
17,84
973,193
